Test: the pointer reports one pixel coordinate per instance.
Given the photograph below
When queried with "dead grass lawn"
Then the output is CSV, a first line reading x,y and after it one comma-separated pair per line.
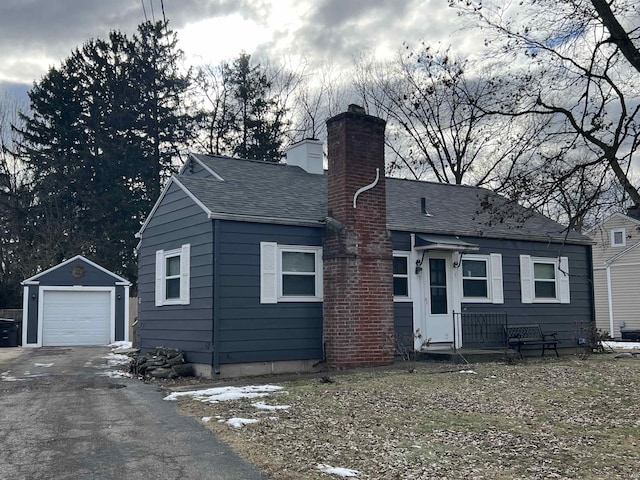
x,y
552,418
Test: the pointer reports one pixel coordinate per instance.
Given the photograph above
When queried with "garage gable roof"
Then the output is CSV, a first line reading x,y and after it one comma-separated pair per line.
x,y
118,279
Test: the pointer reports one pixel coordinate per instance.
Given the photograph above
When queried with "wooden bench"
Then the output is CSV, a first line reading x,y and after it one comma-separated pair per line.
x,y
531,334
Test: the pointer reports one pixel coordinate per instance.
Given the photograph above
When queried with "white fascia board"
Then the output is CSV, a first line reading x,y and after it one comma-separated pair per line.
x,y
165,189
610,217
195,199
120,280
171,181
203,165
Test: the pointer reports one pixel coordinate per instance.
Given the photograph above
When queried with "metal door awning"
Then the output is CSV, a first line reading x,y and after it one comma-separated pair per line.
x,y
444,242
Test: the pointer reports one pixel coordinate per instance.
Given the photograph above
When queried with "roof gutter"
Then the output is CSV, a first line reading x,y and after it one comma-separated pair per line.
x,y
273,220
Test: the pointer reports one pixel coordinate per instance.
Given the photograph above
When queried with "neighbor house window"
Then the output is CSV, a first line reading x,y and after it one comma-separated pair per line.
x,y
172,276
401,276
544,280
618,238
482,278
290,273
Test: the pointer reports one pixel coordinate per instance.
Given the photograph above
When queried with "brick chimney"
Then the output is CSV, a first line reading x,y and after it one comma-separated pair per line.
x,y
357,251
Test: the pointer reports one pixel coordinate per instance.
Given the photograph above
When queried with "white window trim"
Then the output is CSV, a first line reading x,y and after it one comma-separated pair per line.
x,y
527,280
495,289
624,237
318,273
184,252
271,273
407,256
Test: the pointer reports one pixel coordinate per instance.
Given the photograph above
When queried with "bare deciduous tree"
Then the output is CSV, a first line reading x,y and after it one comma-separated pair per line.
x,y
438,125
578,62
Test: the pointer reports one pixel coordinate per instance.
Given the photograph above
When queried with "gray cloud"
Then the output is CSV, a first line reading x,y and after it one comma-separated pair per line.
x,y
35,30
345,29
53,28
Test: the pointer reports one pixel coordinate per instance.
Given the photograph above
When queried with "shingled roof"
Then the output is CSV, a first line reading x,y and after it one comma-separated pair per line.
x,y
269,192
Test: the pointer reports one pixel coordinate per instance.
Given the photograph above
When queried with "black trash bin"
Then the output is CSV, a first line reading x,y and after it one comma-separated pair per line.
x,y
9,333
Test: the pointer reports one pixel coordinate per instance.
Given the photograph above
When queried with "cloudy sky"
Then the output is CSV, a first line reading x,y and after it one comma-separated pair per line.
x,y
37,34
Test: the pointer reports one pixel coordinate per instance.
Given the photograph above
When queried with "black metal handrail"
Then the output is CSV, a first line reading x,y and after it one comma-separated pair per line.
x,y
483,331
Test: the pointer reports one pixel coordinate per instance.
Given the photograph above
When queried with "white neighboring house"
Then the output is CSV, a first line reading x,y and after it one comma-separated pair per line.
x,y
616,273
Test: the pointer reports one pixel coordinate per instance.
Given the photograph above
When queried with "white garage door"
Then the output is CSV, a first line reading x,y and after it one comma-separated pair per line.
x,y
76,318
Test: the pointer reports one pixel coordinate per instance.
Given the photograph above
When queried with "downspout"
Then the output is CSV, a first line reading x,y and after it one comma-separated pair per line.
x,y
216,297
610,301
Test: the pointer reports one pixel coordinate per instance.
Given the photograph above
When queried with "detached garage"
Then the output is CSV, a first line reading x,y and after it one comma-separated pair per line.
x,y
75,303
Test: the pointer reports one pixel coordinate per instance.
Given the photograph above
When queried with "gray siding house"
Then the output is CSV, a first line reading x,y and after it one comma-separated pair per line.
x,y
257,267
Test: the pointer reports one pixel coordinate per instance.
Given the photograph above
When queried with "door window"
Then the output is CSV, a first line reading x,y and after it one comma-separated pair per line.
x,y
438,286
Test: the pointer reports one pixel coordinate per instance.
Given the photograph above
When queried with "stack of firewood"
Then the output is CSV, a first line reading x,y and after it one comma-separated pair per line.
x,y
162,362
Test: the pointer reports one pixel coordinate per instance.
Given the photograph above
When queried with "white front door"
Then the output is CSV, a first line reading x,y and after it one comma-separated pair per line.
x,y
438,311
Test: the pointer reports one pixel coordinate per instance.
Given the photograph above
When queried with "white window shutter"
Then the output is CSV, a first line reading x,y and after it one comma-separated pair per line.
x,y
268,272
185,273
159,278
319,271
497,291
563,280
526,279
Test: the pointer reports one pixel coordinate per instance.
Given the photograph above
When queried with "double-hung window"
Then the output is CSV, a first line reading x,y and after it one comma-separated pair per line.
x,y
299,273
290,273
482,278
544,279
401,285
172,276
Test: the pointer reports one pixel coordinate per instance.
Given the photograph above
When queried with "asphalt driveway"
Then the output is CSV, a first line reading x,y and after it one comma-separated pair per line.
x,y
63,417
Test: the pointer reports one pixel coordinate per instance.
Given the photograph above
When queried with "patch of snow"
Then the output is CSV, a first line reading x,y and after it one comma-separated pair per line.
x,y
44,365
116,374
264,406
240,422
5,377
622,345
115,360
468,371
120,344
206,419
341,472
222,394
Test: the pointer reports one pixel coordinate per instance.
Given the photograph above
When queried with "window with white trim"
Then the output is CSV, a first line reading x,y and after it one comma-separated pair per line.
x,y
482,278
290,273
618,237
401,286
544,280
172,276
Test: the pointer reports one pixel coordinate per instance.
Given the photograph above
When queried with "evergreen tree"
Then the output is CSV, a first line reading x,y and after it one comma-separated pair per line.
x,y
103,129
244,117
